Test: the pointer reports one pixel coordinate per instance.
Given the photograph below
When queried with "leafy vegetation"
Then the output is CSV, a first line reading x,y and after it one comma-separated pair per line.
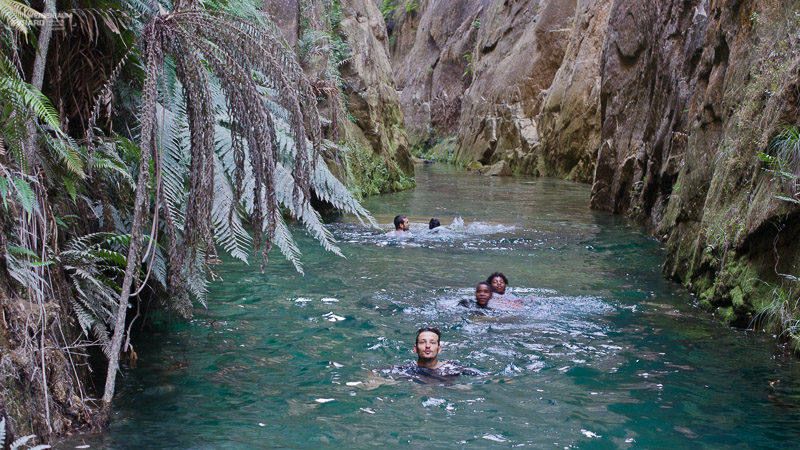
x,y
780,315
783,160
387,8
20,443
205,135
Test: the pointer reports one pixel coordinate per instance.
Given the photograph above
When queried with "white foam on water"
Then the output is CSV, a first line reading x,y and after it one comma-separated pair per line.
x,y
590,434
495,437
432,401
324,400
353,383
331,317
329,300
302,300
443,236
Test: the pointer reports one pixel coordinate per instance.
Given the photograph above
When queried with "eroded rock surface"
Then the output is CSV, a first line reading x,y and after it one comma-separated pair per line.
x,y
431,49
663,105
569,122
369,119
520,48
691,92
380,159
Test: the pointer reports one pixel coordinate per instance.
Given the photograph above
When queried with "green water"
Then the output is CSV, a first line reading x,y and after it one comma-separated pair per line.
x,y
605,354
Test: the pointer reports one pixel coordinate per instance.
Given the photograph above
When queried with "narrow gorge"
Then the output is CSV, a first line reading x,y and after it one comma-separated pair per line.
x,y
674,111
631,165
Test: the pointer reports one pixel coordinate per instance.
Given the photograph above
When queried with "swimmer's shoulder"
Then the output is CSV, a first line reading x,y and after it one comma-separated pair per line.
x,y
450,368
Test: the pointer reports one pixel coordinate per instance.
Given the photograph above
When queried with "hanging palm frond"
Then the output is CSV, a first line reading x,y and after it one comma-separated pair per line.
x,y
230,122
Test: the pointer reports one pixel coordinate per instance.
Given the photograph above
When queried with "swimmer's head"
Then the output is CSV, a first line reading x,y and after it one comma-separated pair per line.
x,y
498,282
429,330
434,223
483,293
401,223
427,346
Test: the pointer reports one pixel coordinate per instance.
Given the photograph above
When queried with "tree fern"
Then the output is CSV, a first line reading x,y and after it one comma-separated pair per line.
x,y
208,70
24,96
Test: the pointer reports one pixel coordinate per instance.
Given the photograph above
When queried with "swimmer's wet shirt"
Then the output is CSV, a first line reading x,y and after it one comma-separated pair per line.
x,y
472,304
507,299
448,372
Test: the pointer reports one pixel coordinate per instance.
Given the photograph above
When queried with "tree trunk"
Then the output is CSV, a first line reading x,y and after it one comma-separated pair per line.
x,y
37,76
134,251
154,60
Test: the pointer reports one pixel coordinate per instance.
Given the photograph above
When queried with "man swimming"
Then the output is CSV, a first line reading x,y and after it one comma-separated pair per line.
x,y
428,368
483,293
401,226
427,348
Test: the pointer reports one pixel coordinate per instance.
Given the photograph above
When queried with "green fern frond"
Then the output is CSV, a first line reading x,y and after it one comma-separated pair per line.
x,y
22,251
85,319
68,154
195,275
112,164
26,96
22,272
101,334
111,256
228,229
25,195
4,191
18,15
160,267
287,246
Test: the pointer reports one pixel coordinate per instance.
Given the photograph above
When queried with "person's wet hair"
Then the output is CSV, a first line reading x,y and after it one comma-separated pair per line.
x,y
483,283
434,223
398,222
430,329
495,275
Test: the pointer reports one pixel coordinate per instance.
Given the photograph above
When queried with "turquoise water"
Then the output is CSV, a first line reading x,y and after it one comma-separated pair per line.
x,y
605,353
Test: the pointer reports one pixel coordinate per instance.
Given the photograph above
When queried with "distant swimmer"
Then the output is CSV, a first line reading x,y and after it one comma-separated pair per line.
x,y
499,283
428,367
483,293
401,227
434,223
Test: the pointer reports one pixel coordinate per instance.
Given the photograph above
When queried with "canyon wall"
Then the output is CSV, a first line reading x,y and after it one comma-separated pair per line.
x,y
343,48
431,49
687,107
670,108
481,71
378,157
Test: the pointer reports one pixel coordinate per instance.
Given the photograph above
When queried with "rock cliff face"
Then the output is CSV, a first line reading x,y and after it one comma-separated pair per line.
x,y
519,50
378,158
431,49
369,121
569,123
691,93
479,69
664,106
